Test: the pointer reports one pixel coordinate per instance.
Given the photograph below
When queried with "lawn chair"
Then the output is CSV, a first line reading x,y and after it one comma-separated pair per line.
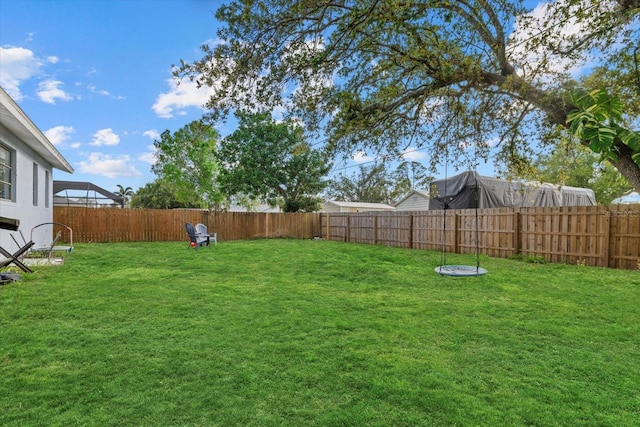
x,y
198,236
201,230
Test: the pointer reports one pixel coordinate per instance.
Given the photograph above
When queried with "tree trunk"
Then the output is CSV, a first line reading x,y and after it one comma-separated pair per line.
x,y
627,167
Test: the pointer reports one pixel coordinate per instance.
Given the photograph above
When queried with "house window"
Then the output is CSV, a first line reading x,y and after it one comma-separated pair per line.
x,y
46,189
7,159
35,184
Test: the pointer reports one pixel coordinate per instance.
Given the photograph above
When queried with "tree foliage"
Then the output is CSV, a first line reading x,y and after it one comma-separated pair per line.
x,y
271,161
414,175
449,72
126,193
377,184
371,184
574,165
620,77
187,159
597,122
162,194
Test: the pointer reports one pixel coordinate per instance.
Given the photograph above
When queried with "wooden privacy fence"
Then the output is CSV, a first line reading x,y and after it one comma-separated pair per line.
x,y
146,225
605,236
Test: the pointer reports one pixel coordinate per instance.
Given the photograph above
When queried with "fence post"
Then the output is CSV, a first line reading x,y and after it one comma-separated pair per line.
x,y
410,231
517,226
606,239
347,236
266,225
456,227
328,228
375,228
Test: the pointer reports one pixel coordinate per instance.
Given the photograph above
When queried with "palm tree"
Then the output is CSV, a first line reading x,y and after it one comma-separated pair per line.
x,y
125,193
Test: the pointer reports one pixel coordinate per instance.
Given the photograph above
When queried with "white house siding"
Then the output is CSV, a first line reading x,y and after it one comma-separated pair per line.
x,y
330,207
416,200
353,207
22,206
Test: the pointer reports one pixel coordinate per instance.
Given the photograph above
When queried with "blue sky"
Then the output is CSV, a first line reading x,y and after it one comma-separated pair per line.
x,y
95,77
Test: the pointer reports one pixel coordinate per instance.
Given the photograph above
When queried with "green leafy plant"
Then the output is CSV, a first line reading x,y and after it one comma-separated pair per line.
x,y
597,121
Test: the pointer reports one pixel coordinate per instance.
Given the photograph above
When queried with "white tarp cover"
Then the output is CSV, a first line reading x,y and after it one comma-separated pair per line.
x,y
470,190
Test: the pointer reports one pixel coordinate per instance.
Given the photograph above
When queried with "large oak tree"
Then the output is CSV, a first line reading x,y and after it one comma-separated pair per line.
x,y
454,74
369,184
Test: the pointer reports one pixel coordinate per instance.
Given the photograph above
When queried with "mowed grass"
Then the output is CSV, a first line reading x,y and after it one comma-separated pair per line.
x,y
315,333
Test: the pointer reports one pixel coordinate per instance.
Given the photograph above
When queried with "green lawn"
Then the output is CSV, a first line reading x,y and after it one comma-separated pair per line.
x,y
315,333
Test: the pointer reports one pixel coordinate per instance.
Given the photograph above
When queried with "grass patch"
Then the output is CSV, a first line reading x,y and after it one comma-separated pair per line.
x,y
528,258
315,333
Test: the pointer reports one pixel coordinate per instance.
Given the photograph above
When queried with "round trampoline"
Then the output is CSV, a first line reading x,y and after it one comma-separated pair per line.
x,y
460,270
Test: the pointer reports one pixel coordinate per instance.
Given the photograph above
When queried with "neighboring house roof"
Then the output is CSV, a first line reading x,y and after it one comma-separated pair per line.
x,y
422,193
262,208
59,186
628,199
362,205
14,119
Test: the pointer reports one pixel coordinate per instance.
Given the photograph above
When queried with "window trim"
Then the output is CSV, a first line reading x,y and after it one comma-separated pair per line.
x,y
11,166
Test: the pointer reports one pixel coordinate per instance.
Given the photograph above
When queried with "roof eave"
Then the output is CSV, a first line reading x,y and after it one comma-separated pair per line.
x,y
17,121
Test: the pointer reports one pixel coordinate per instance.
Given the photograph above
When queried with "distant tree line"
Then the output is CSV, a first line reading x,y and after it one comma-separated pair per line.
x,y
264,161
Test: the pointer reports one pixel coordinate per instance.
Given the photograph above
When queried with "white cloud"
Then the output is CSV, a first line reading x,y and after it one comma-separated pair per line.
x,y
49,91
111,167
53,59
179,97
361,157
411,154
18,64
105,137
152,134
149,156
93,89
59,134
